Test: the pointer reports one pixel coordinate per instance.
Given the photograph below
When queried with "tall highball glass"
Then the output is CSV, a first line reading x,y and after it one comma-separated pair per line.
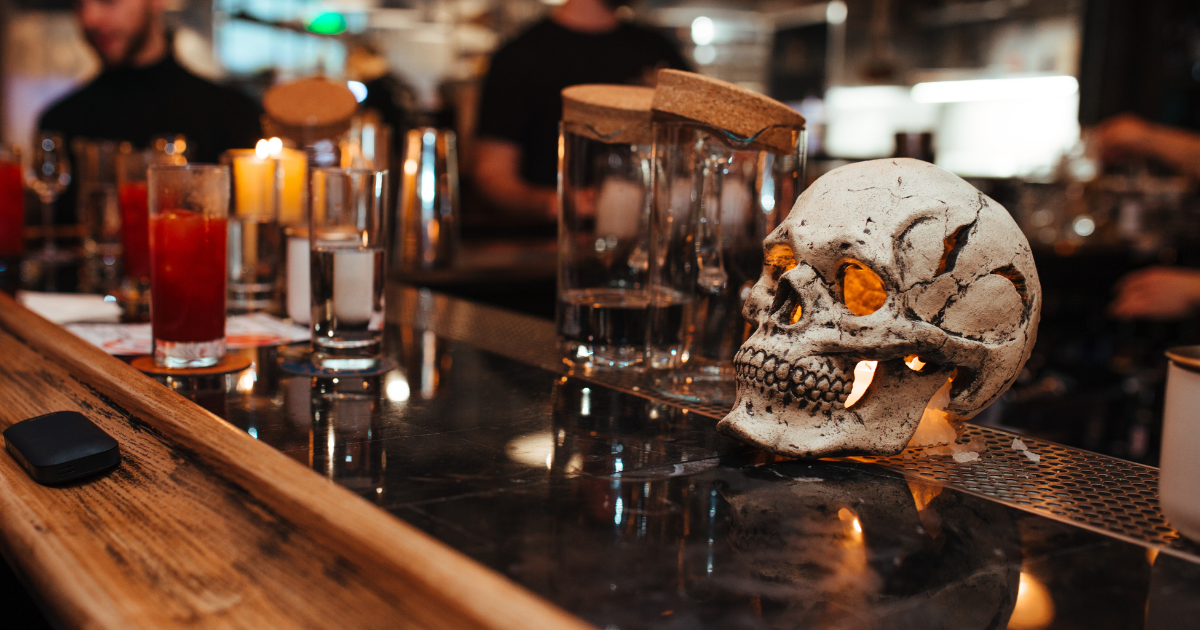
x,y
346,239
189,209
12,216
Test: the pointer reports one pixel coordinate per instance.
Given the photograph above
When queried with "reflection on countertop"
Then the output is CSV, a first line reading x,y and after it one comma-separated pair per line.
x,y
632,513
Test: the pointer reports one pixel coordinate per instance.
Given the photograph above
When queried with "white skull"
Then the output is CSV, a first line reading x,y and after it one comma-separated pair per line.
x,y
962,294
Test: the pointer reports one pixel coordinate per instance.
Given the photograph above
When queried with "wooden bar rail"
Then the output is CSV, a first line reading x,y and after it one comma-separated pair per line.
x,y
202,526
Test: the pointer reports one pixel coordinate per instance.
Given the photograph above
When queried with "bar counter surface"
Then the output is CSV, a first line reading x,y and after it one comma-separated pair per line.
x,y
609,502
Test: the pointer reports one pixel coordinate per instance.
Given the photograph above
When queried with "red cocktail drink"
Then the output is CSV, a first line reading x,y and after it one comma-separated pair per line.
x,y
189,210
135,229
187,276
12,210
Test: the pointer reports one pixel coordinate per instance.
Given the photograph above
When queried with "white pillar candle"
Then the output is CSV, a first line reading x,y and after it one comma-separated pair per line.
x,y
299,283
353,286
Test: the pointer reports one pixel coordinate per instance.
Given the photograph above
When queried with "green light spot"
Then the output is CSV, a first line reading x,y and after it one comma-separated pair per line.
x,y
328,24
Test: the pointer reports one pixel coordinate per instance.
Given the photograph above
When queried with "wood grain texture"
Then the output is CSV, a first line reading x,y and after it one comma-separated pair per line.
x,y
204,527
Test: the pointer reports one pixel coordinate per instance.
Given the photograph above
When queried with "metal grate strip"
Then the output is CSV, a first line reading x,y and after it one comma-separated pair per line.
x,y
1100,493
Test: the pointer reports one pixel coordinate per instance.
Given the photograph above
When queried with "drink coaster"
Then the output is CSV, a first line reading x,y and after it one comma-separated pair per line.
x,y
228,363
306,368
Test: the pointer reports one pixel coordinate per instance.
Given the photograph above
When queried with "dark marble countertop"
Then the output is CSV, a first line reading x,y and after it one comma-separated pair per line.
x,y
632,512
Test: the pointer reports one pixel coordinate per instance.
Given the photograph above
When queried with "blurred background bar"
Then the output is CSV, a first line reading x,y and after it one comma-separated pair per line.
x,y
1013,95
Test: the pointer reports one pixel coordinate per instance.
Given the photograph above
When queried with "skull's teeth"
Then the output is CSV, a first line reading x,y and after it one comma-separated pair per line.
x,y
819,388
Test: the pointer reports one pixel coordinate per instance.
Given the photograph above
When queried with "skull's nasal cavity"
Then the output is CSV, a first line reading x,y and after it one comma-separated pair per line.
x,y
787,308
862,289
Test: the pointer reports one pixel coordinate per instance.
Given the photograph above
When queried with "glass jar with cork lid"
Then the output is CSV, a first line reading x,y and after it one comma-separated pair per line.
x,y
604,244
728,166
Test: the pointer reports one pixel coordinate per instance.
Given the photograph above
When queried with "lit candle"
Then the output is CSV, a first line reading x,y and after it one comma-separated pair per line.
x,y
353,285
299,285
254,182
295,173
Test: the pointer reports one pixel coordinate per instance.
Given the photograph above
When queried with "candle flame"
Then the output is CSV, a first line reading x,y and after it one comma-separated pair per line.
x,y
275,147
935,428
1034,608
854,531
262,149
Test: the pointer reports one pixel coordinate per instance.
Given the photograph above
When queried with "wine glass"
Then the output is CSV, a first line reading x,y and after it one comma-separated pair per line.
x,y
50,173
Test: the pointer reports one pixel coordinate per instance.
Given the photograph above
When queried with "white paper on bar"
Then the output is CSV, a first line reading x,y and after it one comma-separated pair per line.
x,y
299,281
353,285
241,331
64,308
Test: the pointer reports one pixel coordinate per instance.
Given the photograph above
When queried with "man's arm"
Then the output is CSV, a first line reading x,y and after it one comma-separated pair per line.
x,y
498,177
1160,293
1127,134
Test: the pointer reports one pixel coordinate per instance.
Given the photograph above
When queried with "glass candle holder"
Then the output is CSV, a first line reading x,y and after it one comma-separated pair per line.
x,y
347,246
189,208
717,197
255,239
293,185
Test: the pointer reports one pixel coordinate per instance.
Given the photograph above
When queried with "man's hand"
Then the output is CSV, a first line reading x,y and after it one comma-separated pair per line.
x,y
1158,293
1123,135
1127,135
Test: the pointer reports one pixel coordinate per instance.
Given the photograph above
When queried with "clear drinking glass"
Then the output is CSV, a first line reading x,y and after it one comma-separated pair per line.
x,y
189,208
50,174
97,206
346,239
716,199
604,290
255,239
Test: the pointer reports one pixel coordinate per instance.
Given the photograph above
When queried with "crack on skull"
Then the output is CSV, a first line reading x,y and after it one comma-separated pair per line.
x,y
954,245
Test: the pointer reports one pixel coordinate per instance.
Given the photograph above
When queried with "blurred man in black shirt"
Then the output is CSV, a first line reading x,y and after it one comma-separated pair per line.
x,y
142,91
583,41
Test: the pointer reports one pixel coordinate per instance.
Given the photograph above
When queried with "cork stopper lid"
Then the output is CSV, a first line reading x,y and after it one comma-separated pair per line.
x,y
715,103
617,114
316,107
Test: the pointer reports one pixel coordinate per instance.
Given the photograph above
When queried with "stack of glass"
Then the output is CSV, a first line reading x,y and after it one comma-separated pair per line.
x,y
665,196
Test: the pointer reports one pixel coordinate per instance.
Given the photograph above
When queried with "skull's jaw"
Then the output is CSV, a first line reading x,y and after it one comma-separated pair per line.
x,y
882,423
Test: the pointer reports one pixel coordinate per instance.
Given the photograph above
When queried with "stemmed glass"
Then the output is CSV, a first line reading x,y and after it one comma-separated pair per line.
x,y
49,177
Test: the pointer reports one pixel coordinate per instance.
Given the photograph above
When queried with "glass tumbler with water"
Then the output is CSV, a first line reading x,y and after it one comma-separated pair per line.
x,y
604,252
346,240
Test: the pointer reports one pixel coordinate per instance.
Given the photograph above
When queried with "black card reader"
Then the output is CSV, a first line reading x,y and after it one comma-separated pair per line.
x,y
61,446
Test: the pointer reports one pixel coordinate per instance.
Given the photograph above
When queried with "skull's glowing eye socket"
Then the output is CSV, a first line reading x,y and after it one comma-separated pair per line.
x,y
862,289
796,313
914,363
780,259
